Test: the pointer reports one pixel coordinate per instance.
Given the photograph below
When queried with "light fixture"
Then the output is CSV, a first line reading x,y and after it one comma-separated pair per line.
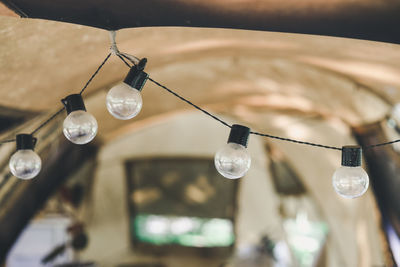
x,y
350,180
80,127
25,163
124,100
233,161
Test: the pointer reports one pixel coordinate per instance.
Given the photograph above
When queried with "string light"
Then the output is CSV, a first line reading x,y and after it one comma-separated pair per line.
x,y
350,180
79,127
233,161
124,101
25,163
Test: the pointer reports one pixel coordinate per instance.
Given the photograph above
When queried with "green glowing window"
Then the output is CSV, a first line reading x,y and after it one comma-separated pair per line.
x,y
181,202
185,231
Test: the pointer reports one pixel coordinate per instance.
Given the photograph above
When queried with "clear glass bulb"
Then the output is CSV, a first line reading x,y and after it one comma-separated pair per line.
x,y
232,161
25,164
350,182
124,102
80,127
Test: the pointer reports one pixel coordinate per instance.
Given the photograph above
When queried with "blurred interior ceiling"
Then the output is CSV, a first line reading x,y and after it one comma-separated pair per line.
x,y
250,75
239,71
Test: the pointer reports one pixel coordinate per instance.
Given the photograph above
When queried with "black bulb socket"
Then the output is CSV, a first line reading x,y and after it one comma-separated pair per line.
x,y
73,102
351,156
136,77
239,135
25,141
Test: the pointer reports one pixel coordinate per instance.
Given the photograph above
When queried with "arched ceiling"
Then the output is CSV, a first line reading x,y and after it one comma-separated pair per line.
x,y
256,72
269,81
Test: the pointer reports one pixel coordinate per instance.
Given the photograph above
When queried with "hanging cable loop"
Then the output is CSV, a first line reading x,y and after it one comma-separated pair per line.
x,y
122,56
113,48
115,51
135,61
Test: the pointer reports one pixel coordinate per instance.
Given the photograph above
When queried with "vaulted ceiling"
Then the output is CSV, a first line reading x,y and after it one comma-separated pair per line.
x,y
240,71
251,76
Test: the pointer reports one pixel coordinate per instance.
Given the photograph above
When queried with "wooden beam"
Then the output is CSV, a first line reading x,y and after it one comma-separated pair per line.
x,y
5,11
27,197
368,19
383,168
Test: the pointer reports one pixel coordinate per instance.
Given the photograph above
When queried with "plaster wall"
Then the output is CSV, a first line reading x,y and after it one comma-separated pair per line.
x,y
354,224
190,135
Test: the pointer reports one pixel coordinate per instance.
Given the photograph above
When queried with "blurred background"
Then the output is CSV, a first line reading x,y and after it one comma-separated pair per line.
x,y
145,192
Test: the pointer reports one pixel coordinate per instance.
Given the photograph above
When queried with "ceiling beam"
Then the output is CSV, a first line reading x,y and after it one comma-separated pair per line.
x,y
5,11
25,198
367,19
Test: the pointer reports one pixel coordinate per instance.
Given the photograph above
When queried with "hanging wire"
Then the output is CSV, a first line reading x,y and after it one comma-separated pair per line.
x,y
47,121
295,141
132,59
95,73
53,116
115,51
190,103
228,125
382,144
123,56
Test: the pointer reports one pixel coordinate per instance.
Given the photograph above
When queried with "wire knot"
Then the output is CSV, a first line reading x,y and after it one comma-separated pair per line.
x,y
113,47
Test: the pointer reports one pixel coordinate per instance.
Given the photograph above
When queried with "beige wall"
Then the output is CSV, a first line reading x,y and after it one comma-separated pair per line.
x,y
190,134
353,238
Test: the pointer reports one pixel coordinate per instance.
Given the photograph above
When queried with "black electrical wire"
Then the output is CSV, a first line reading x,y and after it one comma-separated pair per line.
x,y
382,144
190,103
128,58
8,141
123,57
126,63
81,92
47,121
95,73
295,141
61,109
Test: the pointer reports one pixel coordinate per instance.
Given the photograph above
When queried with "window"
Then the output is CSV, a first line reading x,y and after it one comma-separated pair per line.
x,y
181,202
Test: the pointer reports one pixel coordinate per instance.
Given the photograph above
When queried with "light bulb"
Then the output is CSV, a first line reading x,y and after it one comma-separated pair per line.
x,y
350,180
233,161
123,101
25,163
80,127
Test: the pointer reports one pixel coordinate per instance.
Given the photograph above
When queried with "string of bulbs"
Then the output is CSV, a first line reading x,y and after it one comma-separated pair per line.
x,y
124,102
